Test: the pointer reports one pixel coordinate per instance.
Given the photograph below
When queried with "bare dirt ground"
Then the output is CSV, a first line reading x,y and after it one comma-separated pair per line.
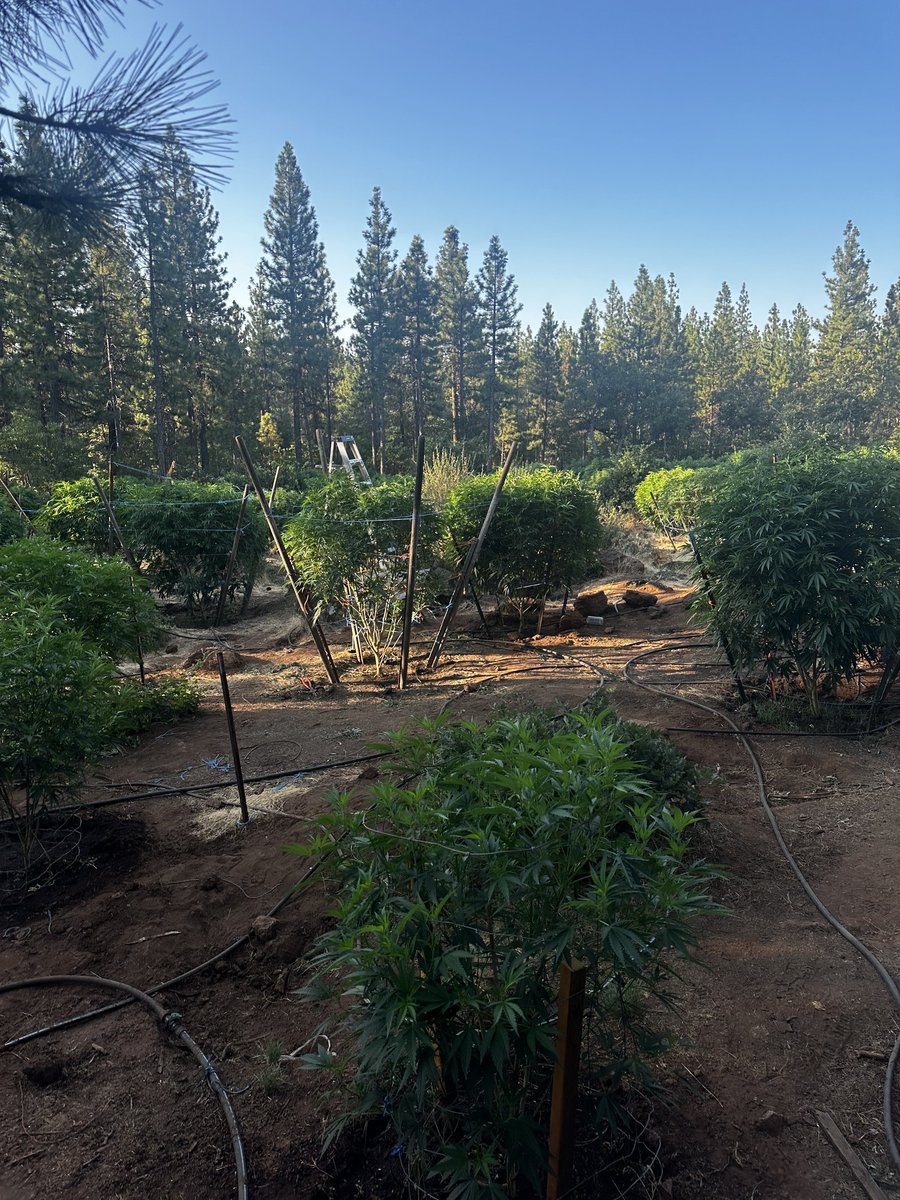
x,y
784,1018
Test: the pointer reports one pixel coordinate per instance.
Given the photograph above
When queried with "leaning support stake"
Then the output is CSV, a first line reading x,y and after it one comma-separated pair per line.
x,y
117,529
409,600
304,600
232,557
564,1098
469,564
29,524
232,737
712,604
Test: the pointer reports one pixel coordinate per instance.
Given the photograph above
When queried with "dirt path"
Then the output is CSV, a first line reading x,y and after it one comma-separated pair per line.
x,y
775,1024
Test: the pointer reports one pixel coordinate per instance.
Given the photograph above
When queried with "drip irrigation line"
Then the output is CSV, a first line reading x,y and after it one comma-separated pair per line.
x,y
93,1014
874,962
313,769
171,1023
784,733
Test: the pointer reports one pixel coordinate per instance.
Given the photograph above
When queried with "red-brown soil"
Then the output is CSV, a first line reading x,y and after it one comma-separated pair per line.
x,y
784,1017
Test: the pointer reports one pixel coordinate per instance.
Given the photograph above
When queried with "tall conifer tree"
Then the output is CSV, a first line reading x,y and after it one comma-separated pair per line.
x,y
498,308
373,293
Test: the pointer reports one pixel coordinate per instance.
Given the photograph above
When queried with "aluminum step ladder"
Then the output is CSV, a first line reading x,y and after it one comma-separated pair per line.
x,y
349,458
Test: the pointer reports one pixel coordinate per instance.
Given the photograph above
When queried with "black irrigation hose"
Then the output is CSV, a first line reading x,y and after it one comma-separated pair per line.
x,y
171,1023
785,733
887,979
92,1014
313,769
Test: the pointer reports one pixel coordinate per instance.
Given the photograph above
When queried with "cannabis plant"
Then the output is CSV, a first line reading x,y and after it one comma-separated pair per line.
x,y
350,543
522,846
802,562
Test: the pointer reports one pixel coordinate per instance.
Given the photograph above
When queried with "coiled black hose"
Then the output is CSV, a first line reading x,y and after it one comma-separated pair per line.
x,y
171,1023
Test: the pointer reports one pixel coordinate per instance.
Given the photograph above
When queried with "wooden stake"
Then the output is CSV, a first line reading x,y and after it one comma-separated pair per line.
x,y
320,442
29,524
232,736
126,553
305,601
564,1101
470,561
411,565
850,1157
274,486
232,557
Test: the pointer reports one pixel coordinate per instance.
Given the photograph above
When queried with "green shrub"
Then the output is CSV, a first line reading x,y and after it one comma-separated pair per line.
x,y
674,496
546,532
138,706
36,455
100,599
524,845
57,695
11,524
349,544
804,561
444,472
615,479
183,532
74,513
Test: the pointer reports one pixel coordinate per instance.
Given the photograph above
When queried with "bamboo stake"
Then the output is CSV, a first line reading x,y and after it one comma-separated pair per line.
x,y
409,599
29,524
564,1100
126,552
305,601
232,736
232,558
468,565
274,486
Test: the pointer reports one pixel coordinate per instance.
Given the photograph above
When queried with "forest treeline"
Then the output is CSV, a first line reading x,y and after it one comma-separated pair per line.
x,y
128,345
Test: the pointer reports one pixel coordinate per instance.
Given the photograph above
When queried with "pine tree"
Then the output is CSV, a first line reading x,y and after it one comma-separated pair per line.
x,y
47,293
546,385
296,296
176,234
417,300
373,293
459,328
498,309
588,381
845,371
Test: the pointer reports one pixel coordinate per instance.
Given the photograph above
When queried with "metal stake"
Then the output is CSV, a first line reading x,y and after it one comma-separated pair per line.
x,y
232,735
232,557
411,565
712,604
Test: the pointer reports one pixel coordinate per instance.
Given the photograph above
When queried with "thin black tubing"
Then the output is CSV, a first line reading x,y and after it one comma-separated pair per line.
x,y
171,1022
880,969
92,1014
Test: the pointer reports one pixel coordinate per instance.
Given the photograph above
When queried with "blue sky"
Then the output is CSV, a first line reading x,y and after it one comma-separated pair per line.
x,y
717,140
